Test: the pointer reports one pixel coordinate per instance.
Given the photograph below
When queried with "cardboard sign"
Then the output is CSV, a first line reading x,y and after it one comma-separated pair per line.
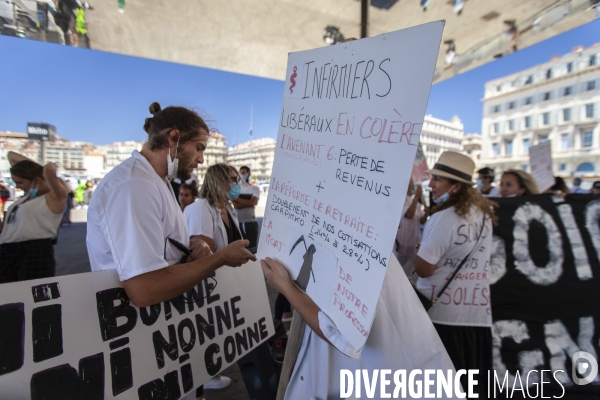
x,y
349,129
540,163
78,336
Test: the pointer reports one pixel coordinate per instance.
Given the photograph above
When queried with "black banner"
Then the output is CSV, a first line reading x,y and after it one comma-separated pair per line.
x,y
545,277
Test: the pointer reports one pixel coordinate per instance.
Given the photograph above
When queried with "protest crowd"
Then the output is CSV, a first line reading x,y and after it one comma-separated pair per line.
x,y
163,233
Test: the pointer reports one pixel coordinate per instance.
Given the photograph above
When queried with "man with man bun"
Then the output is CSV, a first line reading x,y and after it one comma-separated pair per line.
x,y
134,218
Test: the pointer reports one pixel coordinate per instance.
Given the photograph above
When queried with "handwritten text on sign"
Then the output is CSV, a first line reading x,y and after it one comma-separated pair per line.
x,y
348,131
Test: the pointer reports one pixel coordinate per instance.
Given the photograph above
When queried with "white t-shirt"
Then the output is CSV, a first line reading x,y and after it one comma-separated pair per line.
x,y
393,343
246,214
131,215
447,239
32,220
203,219
494,192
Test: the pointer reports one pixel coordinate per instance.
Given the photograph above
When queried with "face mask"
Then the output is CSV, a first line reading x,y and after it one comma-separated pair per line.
x,y
245,178
234,191
172,165
443,197
33,191
479,183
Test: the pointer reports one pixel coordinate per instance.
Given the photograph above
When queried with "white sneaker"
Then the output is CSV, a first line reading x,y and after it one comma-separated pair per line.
x,y
218,382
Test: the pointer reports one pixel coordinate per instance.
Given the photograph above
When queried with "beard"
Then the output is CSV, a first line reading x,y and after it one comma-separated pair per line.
x,y
183,169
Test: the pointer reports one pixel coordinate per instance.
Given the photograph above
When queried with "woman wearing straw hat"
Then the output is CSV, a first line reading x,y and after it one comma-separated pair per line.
x,y
458,239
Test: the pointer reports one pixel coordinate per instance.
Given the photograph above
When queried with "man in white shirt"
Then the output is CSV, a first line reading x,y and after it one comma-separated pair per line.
x,y
244,205
134,218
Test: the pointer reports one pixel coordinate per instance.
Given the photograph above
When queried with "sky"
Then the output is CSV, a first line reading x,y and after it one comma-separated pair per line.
x,y
102,97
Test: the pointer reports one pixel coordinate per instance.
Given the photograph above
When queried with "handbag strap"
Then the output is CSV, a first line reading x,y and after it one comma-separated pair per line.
x,y
461,264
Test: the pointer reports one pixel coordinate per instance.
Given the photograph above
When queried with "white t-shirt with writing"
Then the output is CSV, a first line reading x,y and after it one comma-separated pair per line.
x,y
447,239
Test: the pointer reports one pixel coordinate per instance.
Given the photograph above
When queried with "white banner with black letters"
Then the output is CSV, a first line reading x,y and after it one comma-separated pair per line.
x,y
79,337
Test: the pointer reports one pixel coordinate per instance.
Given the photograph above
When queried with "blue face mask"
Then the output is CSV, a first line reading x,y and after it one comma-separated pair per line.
x,y
443,197
245,178
33,192
234,191
479,183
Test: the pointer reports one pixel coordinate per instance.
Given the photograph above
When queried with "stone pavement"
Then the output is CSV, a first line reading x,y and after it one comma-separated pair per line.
x,y
72,258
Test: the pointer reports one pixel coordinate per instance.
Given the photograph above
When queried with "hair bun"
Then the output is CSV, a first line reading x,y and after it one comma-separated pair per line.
x,y
154,108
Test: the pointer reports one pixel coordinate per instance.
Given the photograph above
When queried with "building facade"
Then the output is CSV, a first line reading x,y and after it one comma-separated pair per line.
x,y
257,154
558,101
438,135
116,153
471,146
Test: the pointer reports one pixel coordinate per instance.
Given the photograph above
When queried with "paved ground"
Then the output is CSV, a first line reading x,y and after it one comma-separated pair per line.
x,y
72,258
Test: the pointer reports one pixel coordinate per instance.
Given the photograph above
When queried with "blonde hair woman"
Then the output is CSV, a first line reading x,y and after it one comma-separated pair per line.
x,y
212,217
515,183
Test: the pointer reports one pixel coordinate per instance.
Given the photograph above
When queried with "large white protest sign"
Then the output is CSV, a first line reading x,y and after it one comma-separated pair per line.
x,y
79,337
540,163
349,128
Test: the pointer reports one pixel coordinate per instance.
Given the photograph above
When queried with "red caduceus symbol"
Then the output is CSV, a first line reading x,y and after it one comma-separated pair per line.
x,y
293,80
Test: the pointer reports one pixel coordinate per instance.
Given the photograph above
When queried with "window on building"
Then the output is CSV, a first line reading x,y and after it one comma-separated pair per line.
x,y
567,91
525,167
590,85
549,73
566,114
592,60
495,149
529,80
508,148
569,67
562,167
511,125
525,146
589,110
496,108
495,128
527,121
499,88
587,138
543,138
512,104
528,101
546,118
546,96
565,143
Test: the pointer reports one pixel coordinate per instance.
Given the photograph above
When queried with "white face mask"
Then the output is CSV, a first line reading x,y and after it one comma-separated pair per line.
x,y
172,164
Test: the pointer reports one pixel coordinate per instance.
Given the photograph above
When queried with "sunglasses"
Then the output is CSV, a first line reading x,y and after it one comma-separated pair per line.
x,y
234,179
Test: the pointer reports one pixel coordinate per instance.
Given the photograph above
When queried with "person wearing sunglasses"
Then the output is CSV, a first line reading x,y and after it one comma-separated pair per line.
x,y
31,223
213,220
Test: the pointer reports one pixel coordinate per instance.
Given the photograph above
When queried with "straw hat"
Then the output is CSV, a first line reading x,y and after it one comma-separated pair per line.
x,y
453,165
